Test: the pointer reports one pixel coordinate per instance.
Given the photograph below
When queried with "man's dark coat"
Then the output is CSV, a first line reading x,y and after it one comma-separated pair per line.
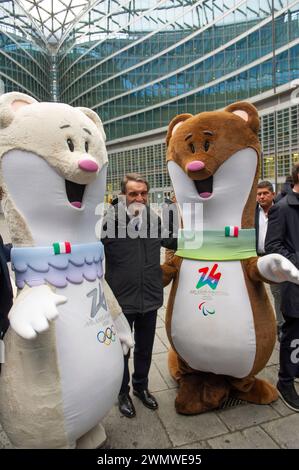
x,y
283,238
133,264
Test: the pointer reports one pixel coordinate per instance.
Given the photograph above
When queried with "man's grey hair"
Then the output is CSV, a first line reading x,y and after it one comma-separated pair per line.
x,y
132,177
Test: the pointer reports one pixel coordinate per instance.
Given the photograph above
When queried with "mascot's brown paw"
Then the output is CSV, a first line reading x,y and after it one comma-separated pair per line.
x,y
261,393
200,393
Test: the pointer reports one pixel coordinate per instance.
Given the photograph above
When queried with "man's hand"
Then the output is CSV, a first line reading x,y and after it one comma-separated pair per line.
x,y
33,309
124,333
277,268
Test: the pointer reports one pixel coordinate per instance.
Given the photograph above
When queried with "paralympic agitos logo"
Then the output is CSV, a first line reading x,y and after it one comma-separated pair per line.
x,y
205,310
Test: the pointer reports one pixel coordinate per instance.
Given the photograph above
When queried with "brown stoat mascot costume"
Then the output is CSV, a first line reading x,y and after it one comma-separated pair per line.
x,y
219,320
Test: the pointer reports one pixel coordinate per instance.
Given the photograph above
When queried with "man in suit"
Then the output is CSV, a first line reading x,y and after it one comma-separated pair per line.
x,y
265,200
283,238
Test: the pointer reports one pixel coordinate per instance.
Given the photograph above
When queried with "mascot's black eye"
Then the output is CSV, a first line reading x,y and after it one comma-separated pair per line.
x,y
192,148
86,146
206,145
70,144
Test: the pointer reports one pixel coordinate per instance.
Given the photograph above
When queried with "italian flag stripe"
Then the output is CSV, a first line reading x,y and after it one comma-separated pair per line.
x,y
61,248
67,247
231,231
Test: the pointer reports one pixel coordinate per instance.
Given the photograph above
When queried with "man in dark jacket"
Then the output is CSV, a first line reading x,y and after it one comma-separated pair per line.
x,y
265,199
132,237
283,238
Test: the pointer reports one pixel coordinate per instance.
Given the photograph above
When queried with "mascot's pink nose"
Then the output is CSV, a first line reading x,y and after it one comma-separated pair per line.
x,y
88,165
196,165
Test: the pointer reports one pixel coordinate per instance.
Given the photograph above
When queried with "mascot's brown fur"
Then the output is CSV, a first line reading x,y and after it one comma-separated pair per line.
x,y
212,138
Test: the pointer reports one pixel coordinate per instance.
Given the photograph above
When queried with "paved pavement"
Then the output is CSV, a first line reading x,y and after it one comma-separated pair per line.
x,y
244,426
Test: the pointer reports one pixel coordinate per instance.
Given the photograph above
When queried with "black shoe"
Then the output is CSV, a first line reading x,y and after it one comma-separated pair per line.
x,y
288,395
125,405
147,399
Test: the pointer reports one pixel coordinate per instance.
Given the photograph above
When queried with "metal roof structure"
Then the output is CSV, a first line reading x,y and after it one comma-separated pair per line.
x,y
54,17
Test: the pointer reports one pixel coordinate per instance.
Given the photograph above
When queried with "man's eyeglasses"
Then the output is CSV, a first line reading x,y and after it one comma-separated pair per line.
x,y
137,193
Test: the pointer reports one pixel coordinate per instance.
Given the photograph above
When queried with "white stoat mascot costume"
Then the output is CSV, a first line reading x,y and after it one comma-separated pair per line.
x,y
64,357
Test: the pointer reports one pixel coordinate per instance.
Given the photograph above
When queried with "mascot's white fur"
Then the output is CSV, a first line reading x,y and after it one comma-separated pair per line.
x,y
60,377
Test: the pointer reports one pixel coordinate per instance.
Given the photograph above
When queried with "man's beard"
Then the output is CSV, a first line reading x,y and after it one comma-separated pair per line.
x,y
135,209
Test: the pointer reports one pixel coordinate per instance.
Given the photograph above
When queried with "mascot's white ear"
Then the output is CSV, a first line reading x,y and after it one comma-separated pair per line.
x,y
95,119
10,103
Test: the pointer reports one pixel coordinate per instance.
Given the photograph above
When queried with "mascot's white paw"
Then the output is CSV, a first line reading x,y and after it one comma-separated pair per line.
x,y
33,309
124,333
277,268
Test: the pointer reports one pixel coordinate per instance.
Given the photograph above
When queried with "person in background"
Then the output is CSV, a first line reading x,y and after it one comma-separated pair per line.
x,y
265,200
134,274
287,188
283,238
6,292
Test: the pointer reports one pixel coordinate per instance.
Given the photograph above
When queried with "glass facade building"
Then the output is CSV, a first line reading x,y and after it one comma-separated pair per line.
x,y
24,58
138,63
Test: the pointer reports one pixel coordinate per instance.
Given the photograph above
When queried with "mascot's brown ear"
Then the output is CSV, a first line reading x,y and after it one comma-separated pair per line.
x,y
95,119
175,123
10,103
247,112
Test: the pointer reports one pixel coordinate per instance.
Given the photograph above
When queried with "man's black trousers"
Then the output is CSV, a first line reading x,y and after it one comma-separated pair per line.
x,y
144,335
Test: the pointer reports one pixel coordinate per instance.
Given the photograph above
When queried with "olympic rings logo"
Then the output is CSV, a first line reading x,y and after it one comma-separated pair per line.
x,y
108,336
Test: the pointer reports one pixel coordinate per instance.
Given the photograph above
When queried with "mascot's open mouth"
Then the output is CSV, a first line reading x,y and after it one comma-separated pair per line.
x,y
204,187
75,193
